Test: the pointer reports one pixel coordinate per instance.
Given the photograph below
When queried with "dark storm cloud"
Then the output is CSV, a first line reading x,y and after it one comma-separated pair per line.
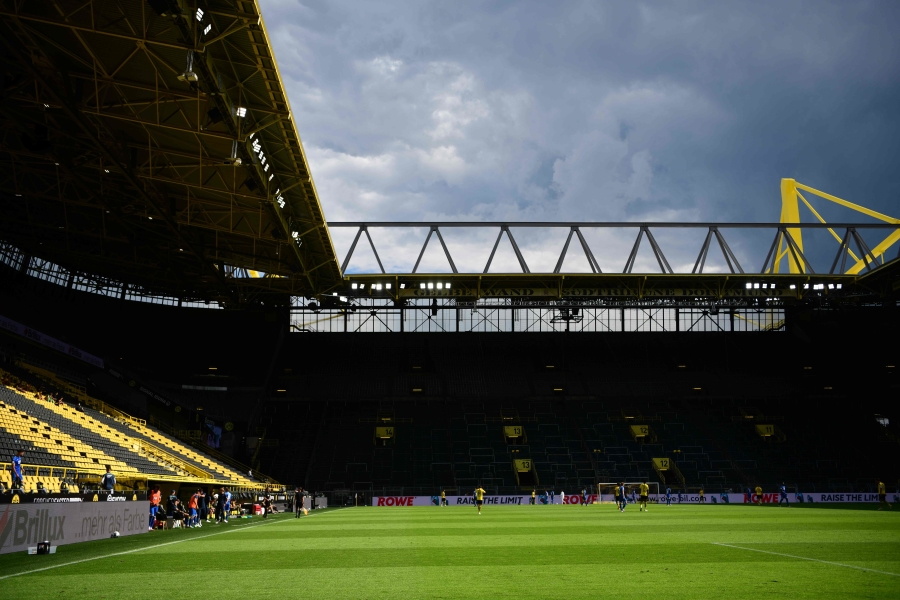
x,y
590,111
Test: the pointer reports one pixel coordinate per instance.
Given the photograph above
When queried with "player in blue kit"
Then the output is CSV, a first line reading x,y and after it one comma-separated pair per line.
x,y
668,496
622,499
784,496
227,504
17,469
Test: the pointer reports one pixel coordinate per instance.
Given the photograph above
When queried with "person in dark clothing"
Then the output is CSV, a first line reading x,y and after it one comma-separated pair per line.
x,y
298,502
220,506
203,508
172,504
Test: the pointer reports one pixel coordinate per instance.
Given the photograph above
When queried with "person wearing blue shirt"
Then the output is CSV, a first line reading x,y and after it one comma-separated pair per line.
x,y
17,469
784,496
227,504
108,481
622,499
668,496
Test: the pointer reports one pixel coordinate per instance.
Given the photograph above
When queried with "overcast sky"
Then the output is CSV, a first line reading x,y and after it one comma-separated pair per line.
x,y
589,111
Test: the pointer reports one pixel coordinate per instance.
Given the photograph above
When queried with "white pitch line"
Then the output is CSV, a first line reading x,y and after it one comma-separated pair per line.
x,y
827,562
199,537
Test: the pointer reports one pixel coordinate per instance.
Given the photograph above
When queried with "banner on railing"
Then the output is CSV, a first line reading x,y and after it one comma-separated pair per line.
x,y
45,340
60,523
575,499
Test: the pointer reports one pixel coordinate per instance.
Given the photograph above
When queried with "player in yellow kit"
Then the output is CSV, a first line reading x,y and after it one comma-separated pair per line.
x,y
645,495
479,498
644,491
759,496
882,495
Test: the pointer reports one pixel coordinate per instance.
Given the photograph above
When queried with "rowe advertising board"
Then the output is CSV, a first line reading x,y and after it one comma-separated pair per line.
x,y
794,498
64,520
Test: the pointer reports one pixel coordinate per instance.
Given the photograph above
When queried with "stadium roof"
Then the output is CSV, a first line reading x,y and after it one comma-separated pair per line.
x,y
153,142
148,150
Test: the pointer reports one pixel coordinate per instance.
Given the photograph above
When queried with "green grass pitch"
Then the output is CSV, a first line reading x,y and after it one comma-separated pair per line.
x,y
549,552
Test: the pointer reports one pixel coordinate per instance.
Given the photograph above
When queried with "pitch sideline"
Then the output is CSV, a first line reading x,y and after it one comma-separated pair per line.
x,y
827,562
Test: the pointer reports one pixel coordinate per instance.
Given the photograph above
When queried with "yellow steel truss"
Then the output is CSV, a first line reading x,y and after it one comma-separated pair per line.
x,y
790,213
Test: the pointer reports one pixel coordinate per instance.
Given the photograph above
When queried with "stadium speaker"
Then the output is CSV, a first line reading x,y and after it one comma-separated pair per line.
x,y
215,116
160,7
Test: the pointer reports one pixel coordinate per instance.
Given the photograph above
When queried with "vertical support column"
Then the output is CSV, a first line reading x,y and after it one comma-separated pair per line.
x,y
677,319
622,318
731,318
790,213
457,319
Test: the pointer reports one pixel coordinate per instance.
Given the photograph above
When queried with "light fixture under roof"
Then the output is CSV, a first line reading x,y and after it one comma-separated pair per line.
x,y
199,14
241,111
207,29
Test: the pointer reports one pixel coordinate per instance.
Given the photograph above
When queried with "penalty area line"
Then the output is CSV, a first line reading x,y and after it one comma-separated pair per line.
x,y
134,550
826,562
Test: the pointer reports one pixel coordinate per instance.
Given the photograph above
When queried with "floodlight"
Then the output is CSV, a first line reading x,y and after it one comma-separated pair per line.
x,y
839,286
447,286
402,286
343,298
362,286
46,105
266,168
199,14
422,286
280,201
106,170
208,28
756,286
262,158
278,191
830,286
295,235
387,285
440,286
749,286
241,111
151,218
793,287
805,286
271,175
353,286
430,286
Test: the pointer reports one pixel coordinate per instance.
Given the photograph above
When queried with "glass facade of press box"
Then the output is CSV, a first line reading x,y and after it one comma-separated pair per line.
x,y
50,272
379,316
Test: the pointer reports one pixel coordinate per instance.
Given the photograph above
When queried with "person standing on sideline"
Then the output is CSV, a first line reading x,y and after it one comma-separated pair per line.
x,y
784,496
562,497
645,496
193,515
584,496
203,509
533,493
668,496
552,496
266,504
759,496
220,506
479,498
882,495
622,499
155,499
298,502
227,504
748,495
108,481
17,470
443,497
702,496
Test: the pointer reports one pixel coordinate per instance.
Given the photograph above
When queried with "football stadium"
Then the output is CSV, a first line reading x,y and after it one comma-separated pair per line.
x,y
187,343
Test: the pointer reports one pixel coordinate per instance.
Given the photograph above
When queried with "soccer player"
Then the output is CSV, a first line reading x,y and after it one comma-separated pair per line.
x,y
621,494
155,499
533,493
748,495
645,495
443,497
227,504
633,496
882,495
784,496
584,496
17,470
108,481
220,506
193,504
668,496
702,496
562,497
479,498
551,496
759,496
202,510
